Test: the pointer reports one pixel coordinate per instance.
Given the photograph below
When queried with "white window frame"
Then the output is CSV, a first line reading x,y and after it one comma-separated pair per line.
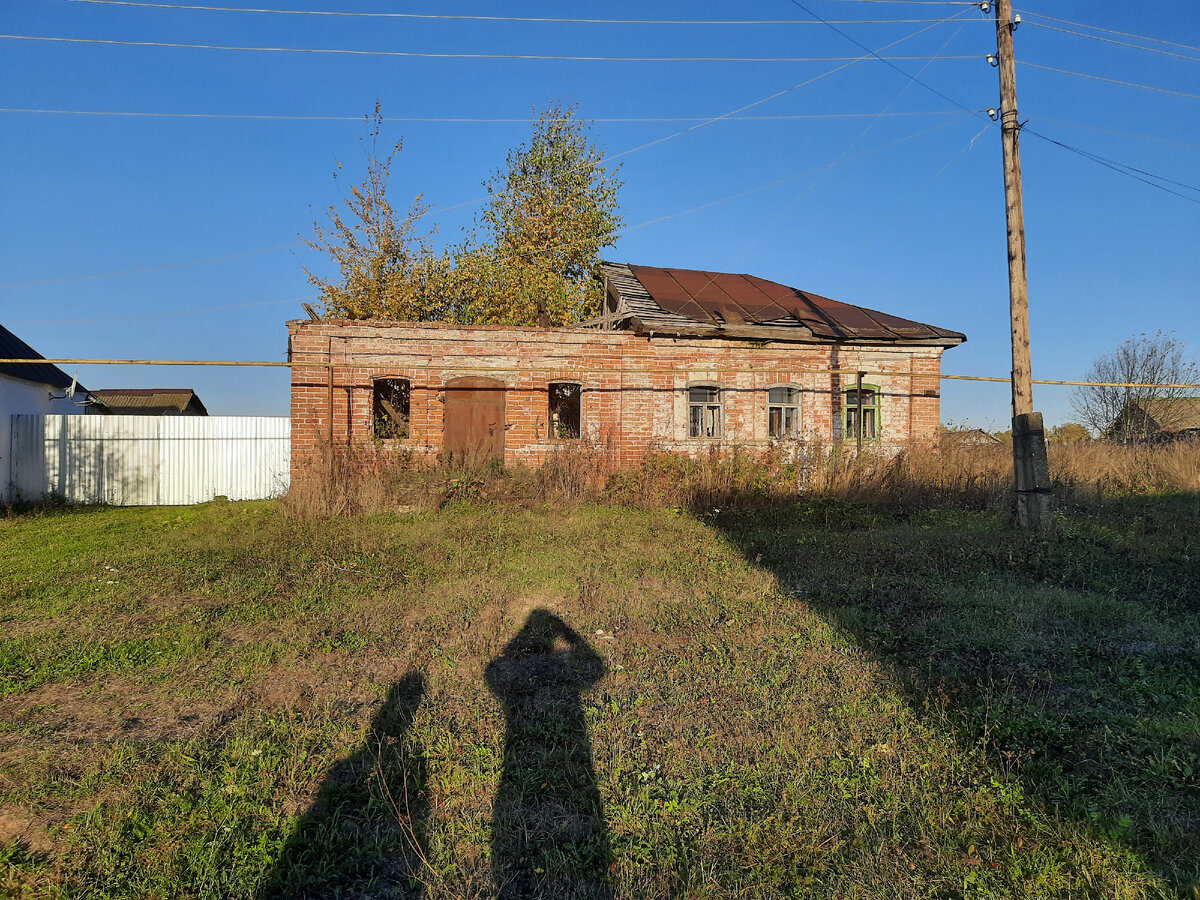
x,y
705,409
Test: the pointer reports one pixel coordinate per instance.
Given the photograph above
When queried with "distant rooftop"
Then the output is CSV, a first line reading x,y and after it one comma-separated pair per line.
x,y
150,401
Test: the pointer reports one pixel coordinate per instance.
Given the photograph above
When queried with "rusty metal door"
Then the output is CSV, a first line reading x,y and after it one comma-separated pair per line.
x,y
473,425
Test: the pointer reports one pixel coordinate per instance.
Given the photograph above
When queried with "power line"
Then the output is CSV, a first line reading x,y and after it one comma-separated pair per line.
x,y
1140,37
1133,84
1132,134
174,265
886,61
738,110
731,115
874,121
339,51
869,53
762,187
373,362
1124,169
920,2
1107,40
156,315
460,120
443,16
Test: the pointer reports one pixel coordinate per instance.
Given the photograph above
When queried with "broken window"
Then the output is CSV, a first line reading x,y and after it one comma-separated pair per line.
x,y
564,410
704,412
783,412
391,407
861,407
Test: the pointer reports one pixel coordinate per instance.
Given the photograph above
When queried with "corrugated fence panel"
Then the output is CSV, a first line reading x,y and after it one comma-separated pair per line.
x,y
149,460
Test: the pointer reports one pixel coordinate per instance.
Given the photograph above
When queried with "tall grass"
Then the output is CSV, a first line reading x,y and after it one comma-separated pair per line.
x,y
357,479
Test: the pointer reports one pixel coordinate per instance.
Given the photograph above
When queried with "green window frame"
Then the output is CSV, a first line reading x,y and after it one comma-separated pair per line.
x,y
866,406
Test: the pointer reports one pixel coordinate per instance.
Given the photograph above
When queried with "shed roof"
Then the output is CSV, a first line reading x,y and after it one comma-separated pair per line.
x,y
12,347
658,299
1172,413
150,401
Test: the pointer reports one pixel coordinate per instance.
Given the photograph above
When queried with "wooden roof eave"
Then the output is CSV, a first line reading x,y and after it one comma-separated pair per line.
x,y
788,334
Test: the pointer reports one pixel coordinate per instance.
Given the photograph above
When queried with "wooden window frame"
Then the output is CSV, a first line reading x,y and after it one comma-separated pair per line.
x,y
383,409
850,433
706,407
554,428
794,433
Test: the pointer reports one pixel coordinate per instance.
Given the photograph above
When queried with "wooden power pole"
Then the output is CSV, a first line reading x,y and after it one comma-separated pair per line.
x,y
1030,466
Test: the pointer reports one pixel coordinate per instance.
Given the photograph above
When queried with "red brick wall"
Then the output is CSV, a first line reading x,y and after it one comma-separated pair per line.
x,y
634,388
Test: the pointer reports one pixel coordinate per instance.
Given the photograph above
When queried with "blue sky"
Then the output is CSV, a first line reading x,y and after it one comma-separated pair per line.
x,y
902,211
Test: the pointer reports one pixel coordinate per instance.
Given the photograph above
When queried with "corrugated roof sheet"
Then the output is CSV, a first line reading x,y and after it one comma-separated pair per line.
x,y
721,299
149,401
12,347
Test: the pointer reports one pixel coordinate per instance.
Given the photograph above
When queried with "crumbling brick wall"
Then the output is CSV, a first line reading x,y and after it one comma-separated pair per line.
x,y
634,388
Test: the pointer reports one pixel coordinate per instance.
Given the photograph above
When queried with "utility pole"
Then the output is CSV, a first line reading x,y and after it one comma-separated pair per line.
x,y
1030,466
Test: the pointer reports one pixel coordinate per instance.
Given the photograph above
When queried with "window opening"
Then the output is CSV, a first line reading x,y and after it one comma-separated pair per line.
x,y
391,407
704,412
864,405
783,412
565,410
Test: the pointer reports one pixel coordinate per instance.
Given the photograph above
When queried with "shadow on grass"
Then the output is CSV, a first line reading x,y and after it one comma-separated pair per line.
x,y
549,837
1075,662
365,833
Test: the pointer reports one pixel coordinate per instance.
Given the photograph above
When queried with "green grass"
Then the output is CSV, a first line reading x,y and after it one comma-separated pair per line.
x,y
818,699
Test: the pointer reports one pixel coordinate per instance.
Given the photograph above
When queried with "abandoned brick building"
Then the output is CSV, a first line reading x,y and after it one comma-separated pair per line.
x,y
680,360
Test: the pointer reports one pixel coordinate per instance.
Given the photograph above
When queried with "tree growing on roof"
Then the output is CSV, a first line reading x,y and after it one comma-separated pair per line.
x,y
534,256
388,268
1159,365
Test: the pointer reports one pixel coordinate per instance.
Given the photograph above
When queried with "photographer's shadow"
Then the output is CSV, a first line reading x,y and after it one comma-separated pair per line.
x,y
549,837
365,832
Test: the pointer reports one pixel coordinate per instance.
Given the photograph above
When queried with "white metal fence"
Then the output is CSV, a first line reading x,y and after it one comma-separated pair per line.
x,y
147,460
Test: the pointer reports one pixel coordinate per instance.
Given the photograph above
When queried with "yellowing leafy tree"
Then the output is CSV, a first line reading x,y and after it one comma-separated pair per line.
x,y
535,257
388,269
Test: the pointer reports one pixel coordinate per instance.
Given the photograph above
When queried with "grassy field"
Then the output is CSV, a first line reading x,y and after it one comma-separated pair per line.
x,y
820,698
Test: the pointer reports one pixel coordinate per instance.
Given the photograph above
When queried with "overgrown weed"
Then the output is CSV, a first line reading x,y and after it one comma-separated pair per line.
x,y
372,478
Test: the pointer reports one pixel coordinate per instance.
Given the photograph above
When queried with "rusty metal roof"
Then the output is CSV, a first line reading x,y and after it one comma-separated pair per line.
x,y
721,300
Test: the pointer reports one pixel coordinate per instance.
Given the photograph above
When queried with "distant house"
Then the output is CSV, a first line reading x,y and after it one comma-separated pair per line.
x,y
1157,419
149,402
32,389
679,360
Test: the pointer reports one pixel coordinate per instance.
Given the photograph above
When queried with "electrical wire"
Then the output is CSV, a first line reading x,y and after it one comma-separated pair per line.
x,y
1127,170
776,183
409,54
1107,40
464,120
885,60
1140,37
1132,134
733,112
444,16
174,265
1133,84
156,315
920,2
874,121
731,115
